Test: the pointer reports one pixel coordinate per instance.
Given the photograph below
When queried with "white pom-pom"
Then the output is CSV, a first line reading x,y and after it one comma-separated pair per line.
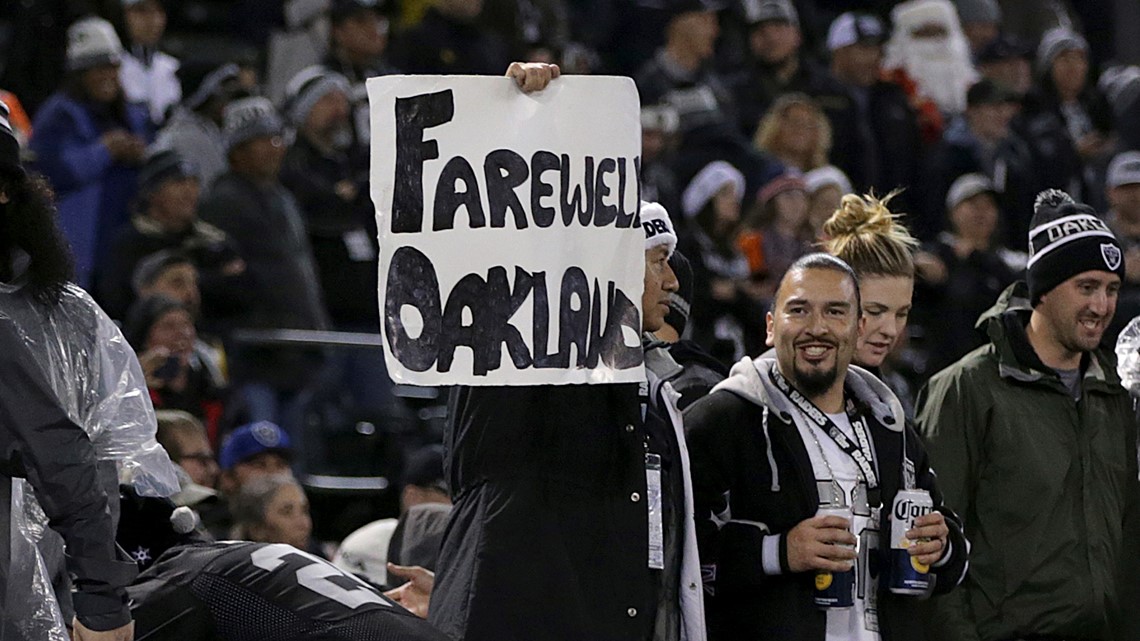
x,y
183,520
1052,198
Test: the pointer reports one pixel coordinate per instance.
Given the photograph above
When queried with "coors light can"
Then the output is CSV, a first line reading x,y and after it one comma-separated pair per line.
x,y
907,575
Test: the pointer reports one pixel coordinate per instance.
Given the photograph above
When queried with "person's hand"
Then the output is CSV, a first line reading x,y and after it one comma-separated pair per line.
x,y
345,190
79,632
722,289
930,268
533,76
415,595
124,146
930,532
821,543
151,360
1091,145
235,267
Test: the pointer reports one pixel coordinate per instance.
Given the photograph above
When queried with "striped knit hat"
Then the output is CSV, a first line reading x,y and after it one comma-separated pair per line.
x,y
1067,238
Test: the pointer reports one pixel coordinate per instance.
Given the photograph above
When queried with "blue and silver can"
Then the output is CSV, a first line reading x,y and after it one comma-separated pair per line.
x,y
907,575
835,589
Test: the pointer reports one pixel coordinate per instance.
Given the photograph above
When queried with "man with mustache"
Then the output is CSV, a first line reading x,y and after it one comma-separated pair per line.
x,y
1035,443
785,437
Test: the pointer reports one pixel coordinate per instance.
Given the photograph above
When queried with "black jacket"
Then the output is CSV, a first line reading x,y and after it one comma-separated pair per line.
x,y
708,128
1009,165
1042,124
749,458
39,442
224,294
757,87
949,310
549,488
266,225
879,145
691,370
702,100
445,45
342,232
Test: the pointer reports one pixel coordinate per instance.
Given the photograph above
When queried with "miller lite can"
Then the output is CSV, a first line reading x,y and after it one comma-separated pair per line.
x,y
835,589
907,575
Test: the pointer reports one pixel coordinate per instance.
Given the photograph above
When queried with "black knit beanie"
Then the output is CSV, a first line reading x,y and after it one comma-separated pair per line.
x,y
1067,238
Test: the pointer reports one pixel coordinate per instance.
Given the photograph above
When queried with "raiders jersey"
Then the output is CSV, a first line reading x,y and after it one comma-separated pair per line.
x,y
241,591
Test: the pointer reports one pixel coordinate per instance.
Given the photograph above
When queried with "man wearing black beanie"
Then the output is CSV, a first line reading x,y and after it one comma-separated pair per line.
x,y
1065,239
1034,441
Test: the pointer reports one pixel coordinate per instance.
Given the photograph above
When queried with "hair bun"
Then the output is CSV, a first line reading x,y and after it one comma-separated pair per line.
x,y
860,215
864,233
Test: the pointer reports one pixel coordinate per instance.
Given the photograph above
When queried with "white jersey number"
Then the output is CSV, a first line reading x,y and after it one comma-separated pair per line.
x,y
315,576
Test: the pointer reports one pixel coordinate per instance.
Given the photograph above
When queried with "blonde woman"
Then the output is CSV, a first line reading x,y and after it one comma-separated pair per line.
x,y
867,236
796,132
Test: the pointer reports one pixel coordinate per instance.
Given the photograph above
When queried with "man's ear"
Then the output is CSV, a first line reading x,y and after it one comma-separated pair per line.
x,y
770,326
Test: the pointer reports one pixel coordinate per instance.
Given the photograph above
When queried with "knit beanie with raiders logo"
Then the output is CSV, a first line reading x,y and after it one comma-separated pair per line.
x,y
1067,238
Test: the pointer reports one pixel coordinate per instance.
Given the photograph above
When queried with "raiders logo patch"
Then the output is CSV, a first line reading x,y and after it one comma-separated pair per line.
x,y
1112,256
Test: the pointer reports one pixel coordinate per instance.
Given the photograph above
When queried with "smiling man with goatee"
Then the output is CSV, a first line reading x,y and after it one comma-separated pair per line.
x,y
797,460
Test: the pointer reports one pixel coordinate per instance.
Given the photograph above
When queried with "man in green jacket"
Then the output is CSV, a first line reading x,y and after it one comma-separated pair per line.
x,y
1034,442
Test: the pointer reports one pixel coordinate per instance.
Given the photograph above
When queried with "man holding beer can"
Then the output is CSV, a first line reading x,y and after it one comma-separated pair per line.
x,y
1035,444
805,474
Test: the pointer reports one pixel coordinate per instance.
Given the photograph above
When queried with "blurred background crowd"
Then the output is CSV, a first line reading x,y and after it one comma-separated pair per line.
x,y
210,161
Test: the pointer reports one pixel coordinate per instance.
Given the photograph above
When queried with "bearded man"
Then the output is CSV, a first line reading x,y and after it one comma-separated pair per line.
x,y
783,439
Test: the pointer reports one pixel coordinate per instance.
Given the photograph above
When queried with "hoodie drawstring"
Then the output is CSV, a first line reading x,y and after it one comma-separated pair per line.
x,y
771,457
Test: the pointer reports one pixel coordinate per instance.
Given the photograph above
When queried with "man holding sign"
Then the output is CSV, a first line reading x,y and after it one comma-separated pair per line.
x,y
511,259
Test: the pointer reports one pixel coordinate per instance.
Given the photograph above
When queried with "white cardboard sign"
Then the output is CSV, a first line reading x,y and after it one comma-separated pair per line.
x,y
510,247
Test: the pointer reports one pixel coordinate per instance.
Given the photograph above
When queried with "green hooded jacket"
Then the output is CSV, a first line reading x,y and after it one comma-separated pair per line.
x,y
1046,487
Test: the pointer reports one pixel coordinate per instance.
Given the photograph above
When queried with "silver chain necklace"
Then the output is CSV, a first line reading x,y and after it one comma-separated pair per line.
x,y
838,496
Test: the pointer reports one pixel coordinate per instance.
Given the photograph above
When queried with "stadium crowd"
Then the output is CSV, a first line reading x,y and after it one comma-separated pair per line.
x,y
208,165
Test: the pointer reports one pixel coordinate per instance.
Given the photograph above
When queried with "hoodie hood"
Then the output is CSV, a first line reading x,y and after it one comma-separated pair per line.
x,y
1015,298
1005,323
749,380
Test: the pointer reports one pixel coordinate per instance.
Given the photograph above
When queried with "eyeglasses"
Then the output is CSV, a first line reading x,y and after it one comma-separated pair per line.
x,y
205,458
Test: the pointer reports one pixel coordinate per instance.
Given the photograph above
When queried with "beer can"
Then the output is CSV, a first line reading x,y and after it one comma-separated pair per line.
x,y
907,575
835,589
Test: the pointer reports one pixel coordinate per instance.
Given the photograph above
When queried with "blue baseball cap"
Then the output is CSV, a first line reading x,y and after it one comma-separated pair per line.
x,y
250,440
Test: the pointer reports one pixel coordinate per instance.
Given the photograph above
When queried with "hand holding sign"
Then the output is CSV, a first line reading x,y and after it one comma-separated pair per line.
x,y
533,76
510,247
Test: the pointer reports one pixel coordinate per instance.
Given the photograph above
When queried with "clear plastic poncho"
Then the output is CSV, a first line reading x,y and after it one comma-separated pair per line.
x,y
101,386
1128,357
